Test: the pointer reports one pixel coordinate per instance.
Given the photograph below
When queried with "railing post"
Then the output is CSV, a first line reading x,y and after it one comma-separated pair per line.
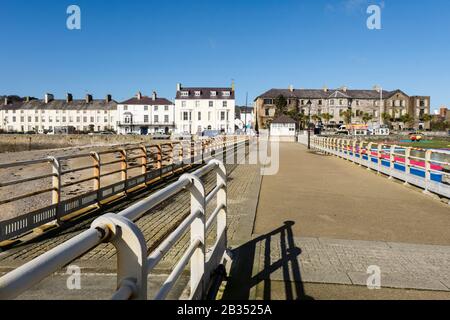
x,y
131,251
144,160
123,166
96,172
354,142
361,152
380,158
407,164
369,155
427,170
158,157
222,202
391,161
198,259
56,185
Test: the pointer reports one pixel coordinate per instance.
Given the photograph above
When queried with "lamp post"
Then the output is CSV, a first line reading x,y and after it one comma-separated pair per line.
x,y
308,104
349,108
379,88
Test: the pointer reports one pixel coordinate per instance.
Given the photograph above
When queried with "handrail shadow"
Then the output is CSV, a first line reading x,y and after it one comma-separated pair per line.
x,y
249,270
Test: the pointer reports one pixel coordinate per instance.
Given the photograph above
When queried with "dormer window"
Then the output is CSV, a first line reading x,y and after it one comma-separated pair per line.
x,y
226,93
213,93
198,93
185,93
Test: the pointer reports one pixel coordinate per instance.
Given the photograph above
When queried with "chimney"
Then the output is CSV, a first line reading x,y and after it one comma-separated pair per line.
x,y
69,97
88,98
48,97
344,89
27,99
139,95
178,86
6,100
154,96
291,88
325,89
108,98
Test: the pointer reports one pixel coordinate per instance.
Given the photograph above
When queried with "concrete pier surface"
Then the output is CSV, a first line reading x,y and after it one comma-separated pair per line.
x,y
321,222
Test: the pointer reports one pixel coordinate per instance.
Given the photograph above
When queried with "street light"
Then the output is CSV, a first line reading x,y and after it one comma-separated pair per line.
x,y
379,88
308,104
349,108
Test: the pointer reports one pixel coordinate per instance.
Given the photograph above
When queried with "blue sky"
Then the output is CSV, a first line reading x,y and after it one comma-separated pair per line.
x,y
126,46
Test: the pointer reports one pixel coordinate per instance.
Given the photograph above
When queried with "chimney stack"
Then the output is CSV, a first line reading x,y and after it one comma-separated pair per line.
x,y
154,96
139,95
108,98
69,97
344,88
325,89
48,97
88,98
6,101
291,88
178,86
27,99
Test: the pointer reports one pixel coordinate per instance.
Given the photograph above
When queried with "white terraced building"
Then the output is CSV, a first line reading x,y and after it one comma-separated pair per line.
x,y
146,115
202,108
34,115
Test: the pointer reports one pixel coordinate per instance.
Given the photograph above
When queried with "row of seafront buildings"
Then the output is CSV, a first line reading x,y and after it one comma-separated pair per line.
x,y
378,103
195,110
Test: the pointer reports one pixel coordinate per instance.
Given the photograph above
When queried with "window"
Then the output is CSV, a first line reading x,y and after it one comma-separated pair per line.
x,y
50,119
92,119
156,118
22,119
125,108
78,119
198,93
84,119
357,102
185,115
64,119
166,108
146,118
29,119
226,93
267,112
197,104
199,116
185,93
183,104
268,101
211,103
225,104
320,102
341,102
14,119
166,119
213,93
36,119
145,108
209,115
332,102
105,119
222,115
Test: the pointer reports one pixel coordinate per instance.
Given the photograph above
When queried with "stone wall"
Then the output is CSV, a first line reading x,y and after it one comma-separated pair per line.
x,y
23,142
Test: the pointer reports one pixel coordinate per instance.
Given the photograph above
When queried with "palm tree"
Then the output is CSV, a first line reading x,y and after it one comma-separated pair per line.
x,y
316,118
327,117
347,115
366,118
407,119
386,118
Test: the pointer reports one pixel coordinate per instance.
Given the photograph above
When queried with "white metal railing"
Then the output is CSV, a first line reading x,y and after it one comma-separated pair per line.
x,y
427,169
132,167
133,264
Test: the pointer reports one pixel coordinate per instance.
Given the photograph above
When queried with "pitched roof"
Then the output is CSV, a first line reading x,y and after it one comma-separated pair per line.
x,y
62,104
322,94
205,93
148,101
284,119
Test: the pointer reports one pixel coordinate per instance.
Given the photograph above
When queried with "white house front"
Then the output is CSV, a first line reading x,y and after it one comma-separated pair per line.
x,y
283,126
146,115
200,109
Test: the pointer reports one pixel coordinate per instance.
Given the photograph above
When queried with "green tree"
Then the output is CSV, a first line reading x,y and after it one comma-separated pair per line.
x,y
366,118
387,119
316,118
347,115
327,117
426,118
407,119
280,105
